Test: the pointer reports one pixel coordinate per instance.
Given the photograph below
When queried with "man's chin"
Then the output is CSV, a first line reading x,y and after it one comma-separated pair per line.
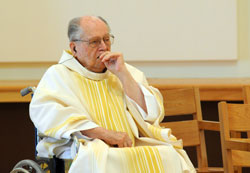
x,y
104,70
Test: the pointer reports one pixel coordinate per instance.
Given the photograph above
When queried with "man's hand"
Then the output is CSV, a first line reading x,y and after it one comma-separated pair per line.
x,y
113,138
114,62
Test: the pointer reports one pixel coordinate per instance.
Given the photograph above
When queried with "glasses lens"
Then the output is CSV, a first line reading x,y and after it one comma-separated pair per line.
x,y
95,42
108,40
111,38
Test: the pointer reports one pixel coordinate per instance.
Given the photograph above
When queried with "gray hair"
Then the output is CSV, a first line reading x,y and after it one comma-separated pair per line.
x,y
74,28
102,19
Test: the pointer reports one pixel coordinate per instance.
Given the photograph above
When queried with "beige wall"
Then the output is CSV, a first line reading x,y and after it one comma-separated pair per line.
x,y
193,69
239,68
161,30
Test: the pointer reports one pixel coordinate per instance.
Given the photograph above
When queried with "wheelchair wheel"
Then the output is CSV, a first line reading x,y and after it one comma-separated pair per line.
x,y
27,166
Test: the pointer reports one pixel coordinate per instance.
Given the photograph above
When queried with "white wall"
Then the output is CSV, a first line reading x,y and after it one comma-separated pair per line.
x,y
193,69
210,69
145,30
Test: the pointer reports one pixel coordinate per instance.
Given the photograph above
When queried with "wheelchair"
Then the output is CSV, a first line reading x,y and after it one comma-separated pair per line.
x,y
40,165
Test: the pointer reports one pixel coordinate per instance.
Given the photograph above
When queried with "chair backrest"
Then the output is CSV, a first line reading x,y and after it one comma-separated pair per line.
x,y
246,98
234,118
246,94
181,102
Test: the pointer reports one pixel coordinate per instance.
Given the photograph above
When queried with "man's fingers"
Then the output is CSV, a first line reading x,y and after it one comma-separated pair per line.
x,y
120,145
130,144
118,139
103,54
123,144
109,56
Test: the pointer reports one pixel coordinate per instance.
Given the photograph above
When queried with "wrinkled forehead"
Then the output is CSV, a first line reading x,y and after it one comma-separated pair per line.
x,y
93,27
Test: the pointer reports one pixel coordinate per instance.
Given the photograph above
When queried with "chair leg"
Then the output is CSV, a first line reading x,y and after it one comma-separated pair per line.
x,y
227,161
238,169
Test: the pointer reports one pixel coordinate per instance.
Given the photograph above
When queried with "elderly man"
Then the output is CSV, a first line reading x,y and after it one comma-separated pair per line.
x,y
100,111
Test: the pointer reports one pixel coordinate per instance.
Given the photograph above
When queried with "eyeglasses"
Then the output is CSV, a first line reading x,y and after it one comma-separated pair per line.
x,y
95,42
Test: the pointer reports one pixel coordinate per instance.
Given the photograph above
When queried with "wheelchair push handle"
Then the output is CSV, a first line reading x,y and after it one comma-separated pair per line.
x,y
27,90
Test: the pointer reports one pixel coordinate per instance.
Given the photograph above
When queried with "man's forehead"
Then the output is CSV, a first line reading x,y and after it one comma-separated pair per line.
x,y
89,19
91,24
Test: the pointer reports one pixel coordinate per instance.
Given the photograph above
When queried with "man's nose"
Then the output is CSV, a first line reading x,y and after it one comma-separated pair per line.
x,y
103,45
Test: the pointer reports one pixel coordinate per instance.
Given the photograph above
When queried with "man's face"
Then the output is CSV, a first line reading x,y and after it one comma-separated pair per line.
x,y
86,53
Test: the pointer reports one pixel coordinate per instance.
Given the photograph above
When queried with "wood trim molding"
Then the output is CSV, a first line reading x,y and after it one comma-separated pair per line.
x,y
10,90
25,64
229,89
211,89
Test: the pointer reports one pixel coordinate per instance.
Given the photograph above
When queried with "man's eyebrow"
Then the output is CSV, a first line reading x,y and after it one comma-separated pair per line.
x,y
99,37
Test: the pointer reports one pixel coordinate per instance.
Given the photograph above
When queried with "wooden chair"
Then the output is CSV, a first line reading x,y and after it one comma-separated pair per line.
x,y
246,98
186,101
246,94
235,150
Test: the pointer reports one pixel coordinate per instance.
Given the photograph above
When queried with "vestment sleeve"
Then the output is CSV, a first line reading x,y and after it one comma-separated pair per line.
x,y
56,109
152,97
151,104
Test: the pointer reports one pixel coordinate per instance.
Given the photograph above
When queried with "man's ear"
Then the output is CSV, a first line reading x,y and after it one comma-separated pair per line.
x,y
72,48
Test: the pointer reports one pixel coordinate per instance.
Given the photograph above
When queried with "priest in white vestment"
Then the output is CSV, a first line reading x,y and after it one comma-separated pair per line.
x,y
99,111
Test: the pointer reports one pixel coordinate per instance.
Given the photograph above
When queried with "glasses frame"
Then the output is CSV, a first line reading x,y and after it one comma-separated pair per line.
x,y
111,36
